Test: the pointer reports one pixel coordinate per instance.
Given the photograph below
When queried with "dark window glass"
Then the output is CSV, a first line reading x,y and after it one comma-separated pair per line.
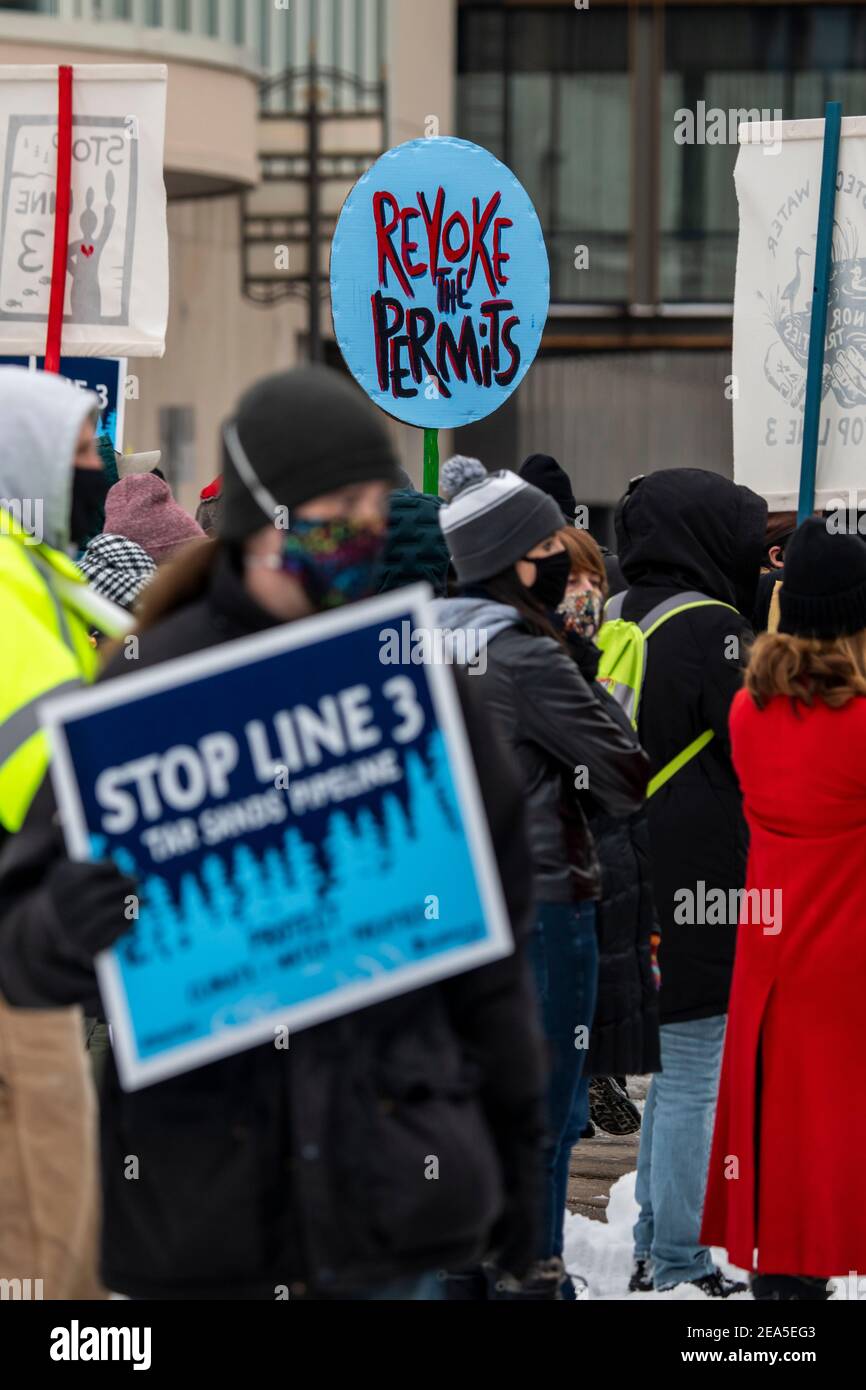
x,y
547,91
789,59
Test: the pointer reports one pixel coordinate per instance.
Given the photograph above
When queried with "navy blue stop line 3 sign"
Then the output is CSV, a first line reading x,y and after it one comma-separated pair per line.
x,y
440,283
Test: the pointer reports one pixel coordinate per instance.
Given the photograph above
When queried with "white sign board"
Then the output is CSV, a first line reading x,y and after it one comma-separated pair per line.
x,y
778,181
116,300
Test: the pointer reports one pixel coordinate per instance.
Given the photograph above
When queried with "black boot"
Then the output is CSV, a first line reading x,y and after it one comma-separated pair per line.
x,y
610,1108
541,1284
718,1285
789,1288
641,1280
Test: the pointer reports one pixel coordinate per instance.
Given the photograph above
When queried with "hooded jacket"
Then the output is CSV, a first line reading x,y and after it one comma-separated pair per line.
x,y
678,530
46,609
48,1188
553,722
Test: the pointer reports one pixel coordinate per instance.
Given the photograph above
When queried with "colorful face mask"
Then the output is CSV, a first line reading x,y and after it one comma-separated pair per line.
x,y
335,562
581,611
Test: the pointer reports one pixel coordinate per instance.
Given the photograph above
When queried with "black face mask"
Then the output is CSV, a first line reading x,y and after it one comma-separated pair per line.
x,y
551,578
89,490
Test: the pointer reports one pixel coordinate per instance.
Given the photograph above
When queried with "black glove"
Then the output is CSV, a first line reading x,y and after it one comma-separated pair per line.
x,y
89,902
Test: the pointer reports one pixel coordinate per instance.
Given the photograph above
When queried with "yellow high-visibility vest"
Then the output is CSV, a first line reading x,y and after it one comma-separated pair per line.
x,y
44,646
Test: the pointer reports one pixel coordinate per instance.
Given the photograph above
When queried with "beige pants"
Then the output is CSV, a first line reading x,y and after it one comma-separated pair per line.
x,y
49,1195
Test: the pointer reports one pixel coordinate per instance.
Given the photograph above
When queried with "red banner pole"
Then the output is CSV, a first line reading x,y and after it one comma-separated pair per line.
x,y
62,201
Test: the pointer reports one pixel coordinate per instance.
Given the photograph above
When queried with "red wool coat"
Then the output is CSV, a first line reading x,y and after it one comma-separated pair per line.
x,y
798,1000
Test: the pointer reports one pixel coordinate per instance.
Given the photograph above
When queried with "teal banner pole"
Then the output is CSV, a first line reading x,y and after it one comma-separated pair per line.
x,y
818,323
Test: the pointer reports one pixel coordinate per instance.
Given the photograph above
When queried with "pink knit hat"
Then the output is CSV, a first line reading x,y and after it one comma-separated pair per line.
x,y
141,508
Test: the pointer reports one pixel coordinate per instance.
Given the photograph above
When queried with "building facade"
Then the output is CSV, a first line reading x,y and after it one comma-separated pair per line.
x,y
621,120
230,109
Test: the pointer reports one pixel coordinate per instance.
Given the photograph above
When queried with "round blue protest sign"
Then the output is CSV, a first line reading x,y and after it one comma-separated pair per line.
x,y
440,283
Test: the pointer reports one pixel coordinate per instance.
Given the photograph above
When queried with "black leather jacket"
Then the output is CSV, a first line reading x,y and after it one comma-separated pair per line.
x,y
557,727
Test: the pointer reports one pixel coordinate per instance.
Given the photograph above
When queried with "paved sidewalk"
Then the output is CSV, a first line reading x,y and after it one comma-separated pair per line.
x,y
597,1163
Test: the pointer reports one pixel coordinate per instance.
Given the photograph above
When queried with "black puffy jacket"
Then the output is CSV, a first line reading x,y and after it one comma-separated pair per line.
x,y
625,1028
678,530
306,1167
552,720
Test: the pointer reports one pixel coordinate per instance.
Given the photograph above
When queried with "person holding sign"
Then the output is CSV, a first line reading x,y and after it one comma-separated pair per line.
x,y
378,1147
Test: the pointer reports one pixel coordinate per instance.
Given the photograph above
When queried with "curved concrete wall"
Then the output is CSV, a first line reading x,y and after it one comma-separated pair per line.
x,y
212,109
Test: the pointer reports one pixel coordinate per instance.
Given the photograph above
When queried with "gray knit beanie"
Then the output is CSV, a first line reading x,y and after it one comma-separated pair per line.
x,y
491,519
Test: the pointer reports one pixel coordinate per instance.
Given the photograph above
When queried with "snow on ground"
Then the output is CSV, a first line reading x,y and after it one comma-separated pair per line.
x,y
602,1251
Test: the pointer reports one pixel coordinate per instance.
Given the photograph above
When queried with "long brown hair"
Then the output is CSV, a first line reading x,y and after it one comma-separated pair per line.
x,y
807,668
584,552
506,587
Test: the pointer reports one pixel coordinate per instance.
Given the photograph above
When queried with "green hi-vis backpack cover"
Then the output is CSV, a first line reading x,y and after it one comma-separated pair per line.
x,y
623,664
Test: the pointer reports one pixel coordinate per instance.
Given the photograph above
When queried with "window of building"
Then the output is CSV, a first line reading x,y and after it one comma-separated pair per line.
x,y
547,90
584,106
770,58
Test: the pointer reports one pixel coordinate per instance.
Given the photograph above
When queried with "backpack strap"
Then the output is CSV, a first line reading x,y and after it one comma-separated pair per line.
x,y
648,624
673,767
677,603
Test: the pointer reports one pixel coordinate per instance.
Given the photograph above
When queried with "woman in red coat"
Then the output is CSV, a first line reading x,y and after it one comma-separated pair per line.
x,y
785,1191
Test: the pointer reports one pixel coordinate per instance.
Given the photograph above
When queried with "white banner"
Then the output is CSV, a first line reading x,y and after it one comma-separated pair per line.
x,y
778,181
116,301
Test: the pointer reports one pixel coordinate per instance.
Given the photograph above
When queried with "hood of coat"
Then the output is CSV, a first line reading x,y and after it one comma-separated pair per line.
x,y
691,529
42,417
471,614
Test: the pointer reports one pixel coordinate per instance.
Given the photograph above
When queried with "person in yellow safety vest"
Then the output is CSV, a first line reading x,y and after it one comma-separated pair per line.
x,y
51,490
51,486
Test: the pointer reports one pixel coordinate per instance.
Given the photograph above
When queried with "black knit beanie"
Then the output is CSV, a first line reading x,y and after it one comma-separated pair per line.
x,y
295,435
823,591
548,476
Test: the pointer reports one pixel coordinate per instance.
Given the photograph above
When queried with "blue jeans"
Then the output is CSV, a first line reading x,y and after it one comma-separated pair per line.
x,y
675,1140
564,954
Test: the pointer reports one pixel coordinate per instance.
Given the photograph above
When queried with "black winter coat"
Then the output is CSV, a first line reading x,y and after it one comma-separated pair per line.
x,y
625,1029
306,1167
677,530
554,723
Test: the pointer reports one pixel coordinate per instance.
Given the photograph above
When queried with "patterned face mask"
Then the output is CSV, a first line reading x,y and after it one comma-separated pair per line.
x,y
581,611
335,562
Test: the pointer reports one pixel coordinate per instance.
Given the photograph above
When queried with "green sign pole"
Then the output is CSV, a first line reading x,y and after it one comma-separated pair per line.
x,y
431,462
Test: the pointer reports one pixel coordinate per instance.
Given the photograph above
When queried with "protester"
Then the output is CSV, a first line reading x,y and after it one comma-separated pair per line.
x,y
546,474
209,507
415,551
512,568
798,1142
141,508
117,568
625,1029
686,536
304,1168
53,487
780,528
